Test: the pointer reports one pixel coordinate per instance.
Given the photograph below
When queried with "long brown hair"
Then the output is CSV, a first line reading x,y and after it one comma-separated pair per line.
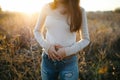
x,y
74,13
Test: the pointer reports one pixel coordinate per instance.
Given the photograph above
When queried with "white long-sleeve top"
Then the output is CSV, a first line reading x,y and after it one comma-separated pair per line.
x,y
58,31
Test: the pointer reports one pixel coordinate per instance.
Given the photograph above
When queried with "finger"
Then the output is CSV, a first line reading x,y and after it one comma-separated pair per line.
x,y
54,51
59,54
58,46
55,55
51,56
48,56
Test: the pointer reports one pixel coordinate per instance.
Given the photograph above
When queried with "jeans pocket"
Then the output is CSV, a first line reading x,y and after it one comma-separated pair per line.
x,y
46,62
44,74
43,71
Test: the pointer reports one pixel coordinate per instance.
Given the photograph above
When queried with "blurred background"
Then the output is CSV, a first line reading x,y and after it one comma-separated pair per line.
x,y
20,54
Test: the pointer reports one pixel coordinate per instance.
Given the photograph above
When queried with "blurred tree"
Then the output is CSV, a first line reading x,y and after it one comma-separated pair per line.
x,y
117,10
0,9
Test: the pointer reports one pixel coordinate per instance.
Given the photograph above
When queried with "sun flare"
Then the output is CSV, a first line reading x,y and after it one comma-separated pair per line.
x,y
31,6
25,6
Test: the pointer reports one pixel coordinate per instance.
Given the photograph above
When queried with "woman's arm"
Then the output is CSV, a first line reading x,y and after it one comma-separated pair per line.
x,y
85,40
38,34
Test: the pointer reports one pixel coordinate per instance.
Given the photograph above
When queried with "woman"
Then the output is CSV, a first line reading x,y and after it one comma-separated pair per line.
x,y
62,19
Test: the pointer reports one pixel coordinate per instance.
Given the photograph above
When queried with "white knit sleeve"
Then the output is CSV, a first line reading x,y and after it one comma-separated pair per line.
x,y
38,34
85,40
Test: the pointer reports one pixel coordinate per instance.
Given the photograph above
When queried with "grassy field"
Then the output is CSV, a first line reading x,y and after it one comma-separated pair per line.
x,y
20,54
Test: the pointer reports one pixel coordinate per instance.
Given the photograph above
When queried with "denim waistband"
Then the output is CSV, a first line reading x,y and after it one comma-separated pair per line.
x,y
71,58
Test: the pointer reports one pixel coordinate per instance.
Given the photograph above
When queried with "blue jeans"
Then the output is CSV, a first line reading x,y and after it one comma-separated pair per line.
x,y
66,69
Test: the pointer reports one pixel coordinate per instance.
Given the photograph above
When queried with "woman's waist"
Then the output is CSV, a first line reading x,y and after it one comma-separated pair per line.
x,y
64,43
64,40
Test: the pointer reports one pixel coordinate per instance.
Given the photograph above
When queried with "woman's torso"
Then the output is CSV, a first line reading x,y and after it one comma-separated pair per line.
x,y
58,30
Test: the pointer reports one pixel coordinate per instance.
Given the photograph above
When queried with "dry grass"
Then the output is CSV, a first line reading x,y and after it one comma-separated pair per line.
x,y
20,54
